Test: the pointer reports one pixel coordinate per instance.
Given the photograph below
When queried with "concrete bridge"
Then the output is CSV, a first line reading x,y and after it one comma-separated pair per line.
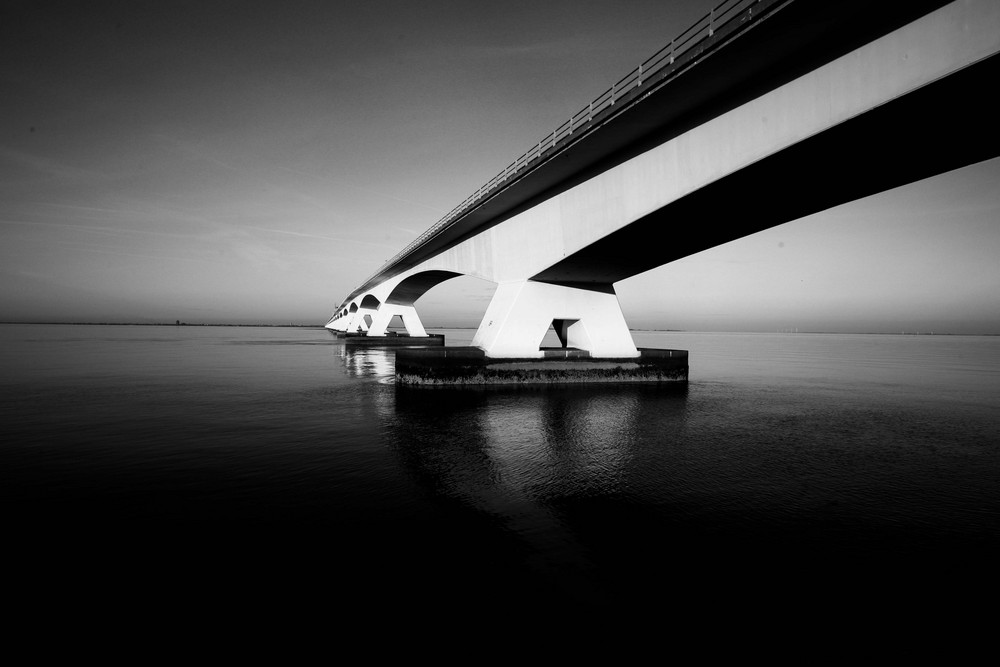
x,y
764,112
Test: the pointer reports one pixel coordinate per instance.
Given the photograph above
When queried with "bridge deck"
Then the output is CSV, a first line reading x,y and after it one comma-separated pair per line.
x,y
754,47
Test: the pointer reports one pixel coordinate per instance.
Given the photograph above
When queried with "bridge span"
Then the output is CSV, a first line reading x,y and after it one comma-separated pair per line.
x,y
763,112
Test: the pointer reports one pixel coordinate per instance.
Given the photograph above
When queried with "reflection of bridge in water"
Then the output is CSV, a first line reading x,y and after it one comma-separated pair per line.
x,y
367,361
763,112
514,454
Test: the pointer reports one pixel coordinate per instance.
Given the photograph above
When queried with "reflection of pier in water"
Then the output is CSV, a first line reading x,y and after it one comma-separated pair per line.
x,y
534,460
367,362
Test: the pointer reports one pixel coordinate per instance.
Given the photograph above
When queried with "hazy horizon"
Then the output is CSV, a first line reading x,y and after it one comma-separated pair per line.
x,y
320,325
225,163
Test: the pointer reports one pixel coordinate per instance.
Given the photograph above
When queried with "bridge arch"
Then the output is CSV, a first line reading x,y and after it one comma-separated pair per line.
x,y
398,301
413,287
358,316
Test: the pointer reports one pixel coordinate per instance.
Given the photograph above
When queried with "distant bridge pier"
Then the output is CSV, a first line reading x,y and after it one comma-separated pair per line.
x,y
367,319
587,318
358,322
345,321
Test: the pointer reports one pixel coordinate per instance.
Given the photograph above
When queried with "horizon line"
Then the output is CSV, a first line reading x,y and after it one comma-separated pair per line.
x,y
179,323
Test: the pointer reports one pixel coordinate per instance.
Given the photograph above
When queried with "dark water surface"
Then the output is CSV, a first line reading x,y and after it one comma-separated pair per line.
x,y
258,468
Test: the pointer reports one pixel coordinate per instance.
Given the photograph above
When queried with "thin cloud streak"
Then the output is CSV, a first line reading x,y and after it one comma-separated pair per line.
x,y
381,246
54,168
191,150
102,251
113,231
359,188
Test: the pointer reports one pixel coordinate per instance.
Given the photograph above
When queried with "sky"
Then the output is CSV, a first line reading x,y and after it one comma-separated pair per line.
x,y
253,162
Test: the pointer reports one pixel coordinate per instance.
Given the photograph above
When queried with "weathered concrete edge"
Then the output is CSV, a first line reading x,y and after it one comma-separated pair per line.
x,y
470,366
396,340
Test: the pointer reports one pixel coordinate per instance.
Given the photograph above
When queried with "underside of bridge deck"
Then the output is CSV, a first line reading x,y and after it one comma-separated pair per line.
x,y
943,126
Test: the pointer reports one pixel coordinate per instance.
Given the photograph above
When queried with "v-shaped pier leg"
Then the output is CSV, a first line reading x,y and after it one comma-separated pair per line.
x,y
381,320
588,318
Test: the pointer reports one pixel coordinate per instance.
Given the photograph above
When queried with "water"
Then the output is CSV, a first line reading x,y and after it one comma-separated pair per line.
x,y
254,468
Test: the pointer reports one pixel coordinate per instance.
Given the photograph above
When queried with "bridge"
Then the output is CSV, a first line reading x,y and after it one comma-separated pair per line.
x,y
763,112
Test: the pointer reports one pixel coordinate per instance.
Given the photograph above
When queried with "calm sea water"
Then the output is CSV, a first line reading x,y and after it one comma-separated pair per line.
x,y
257,467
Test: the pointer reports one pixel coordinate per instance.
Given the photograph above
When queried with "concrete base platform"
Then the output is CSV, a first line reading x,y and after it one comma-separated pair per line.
x,y
392,339
471,366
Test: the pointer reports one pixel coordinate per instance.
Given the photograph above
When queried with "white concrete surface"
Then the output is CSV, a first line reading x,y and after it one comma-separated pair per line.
x,y
934,46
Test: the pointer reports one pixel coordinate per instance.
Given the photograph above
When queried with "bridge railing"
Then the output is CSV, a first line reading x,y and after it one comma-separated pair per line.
x,y
684,49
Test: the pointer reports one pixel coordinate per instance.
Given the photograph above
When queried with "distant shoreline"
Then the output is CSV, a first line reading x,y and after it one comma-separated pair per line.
x,y
321,326
170,324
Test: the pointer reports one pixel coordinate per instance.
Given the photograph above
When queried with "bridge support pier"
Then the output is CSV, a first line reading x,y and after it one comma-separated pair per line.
x,y
381,320
584,317
351,326
357,321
